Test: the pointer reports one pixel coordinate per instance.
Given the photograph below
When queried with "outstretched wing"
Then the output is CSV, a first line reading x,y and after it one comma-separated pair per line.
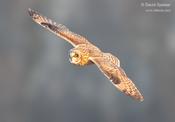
x,y
109,65
59,29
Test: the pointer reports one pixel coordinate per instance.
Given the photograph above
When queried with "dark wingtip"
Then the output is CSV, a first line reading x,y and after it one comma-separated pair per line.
x,y
142,99
31,12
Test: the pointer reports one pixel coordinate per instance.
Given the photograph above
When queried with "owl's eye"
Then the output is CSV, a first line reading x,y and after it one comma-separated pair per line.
x,y
73,54
76,55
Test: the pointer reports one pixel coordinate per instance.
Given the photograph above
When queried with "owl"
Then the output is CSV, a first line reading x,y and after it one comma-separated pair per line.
x,y
86,53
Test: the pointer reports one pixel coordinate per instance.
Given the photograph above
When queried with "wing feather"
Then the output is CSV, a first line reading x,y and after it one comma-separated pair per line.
x,y
59,29
117,75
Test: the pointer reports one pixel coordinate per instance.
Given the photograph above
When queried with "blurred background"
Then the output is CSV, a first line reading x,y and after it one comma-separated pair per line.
x,y
38,84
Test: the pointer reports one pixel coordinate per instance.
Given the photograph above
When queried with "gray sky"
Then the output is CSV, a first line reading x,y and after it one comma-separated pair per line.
x,y
39,84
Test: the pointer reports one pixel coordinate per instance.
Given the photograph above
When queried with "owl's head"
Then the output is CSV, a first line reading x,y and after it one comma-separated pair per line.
x,y
79,56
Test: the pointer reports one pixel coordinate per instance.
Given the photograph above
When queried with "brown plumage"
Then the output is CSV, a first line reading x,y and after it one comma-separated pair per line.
x,y
85,53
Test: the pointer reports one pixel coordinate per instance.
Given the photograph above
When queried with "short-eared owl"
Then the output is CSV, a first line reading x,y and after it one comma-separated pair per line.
x,y
85,53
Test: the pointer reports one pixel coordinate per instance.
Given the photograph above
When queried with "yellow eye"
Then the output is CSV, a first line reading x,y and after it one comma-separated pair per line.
x,y
76,55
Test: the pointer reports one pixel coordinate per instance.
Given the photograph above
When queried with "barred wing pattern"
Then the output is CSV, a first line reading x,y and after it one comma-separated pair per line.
x,y
59,29
116,75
